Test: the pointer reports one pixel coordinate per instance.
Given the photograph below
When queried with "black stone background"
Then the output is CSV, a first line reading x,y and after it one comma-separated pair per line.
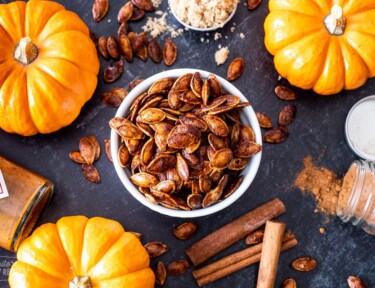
x,y
317,131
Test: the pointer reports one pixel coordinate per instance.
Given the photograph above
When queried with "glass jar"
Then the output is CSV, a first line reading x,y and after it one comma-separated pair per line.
x,y
24,196
356,202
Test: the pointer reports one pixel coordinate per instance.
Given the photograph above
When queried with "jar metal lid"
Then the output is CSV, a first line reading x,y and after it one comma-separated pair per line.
x,y
360,128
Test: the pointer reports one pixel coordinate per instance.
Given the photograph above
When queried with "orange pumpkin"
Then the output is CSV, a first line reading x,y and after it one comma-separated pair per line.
x,y
77,252
48,66
323,45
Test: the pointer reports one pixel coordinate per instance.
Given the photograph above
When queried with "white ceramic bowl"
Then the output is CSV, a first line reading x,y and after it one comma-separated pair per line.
x,y
247,116
208,29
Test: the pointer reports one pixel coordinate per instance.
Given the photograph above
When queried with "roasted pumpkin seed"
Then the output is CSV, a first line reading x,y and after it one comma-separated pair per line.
x,y
253,4
215,86
87,150
285,93
123,155
113,71
134,84
264,120
276,135
125,12
99,9
155,51
247,149
126,48
148,151
182,167
96,144
185,230
144,179
107,146
169,52
304,264
287,115
161,163
77,157
178,267
289,283
91,173
160,273
144,4
233,187
355,282
235,69
139,46
123,30
156,249
137,14
255,237
113,47
216,125
102,45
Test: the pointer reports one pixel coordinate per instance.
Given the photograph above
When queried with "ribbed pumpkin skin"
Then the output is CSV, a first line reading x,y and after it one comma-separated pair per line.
x,y
311,58
77,246
48,93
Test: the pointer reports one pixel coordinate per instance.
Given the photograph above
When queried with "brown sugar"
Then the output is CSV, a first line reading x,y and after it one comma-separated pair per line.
x,y
347,187
322,183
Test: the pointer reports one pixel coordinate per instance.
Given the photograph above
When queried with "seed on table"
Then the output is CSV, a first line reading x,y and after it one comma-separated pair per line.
x,y
87,150
178,267
285,93
169,52
253,4
113,47
113,71
144,4
235,69
77,157
287,115
185,230
155,51
264,120
91,173
355,282
255,237
102,45
276,135
99,9
137,14
304,264
289,283
160,273
156,249
125,12
123,30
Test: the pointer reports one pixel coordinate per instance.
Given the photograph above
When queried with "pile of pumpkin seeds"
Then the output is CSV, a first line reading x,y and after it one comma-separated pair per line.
x,y
184,143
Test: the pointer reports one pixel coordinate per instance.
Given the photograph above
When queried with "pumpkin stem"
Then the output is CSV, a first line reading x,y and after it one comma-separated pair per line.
x,y
26,51
80,282
335,22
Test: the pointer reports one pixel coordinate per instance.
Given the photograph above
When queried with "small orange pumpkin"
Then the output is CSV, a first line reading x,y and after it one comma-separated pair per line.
x,y
48,66
78,252
323,45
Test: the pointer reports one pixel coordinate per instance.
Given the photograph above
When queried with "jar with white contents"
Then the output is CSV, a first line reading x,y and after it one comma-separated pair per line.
x,y
356,202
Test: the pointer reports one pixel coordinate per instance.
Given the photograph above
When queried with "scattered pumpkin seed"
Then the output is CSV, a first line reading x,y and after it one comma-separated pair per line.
x,y
355,282
156,249
304,264
289,283
100,9
160,273
235,69
91,173
185,230
285,93
178,267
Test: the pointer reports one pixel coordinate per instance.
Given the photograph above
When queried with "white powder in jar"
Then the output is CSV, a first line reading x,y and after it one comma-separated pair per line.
x,y
361,128
203,13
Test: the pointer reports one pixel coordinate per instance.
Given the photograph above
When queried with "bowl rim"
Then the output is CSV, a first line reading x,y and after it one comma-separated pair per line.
x,y
252,167
207,29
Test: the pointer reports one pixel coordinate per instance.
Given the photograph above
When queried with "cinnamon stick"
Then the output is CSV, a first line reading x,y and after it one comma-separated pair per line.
x,y
235,257
272,240
224,237
229,269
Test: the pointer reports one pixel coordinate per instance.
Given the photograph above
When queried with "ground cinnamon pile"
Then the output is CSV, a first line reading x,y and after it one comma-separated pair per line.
x,y
322,183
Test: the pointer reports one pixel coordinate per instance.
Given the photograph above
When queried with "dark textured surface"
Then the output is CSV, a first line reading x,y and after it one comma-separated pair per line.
x,y
318,131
